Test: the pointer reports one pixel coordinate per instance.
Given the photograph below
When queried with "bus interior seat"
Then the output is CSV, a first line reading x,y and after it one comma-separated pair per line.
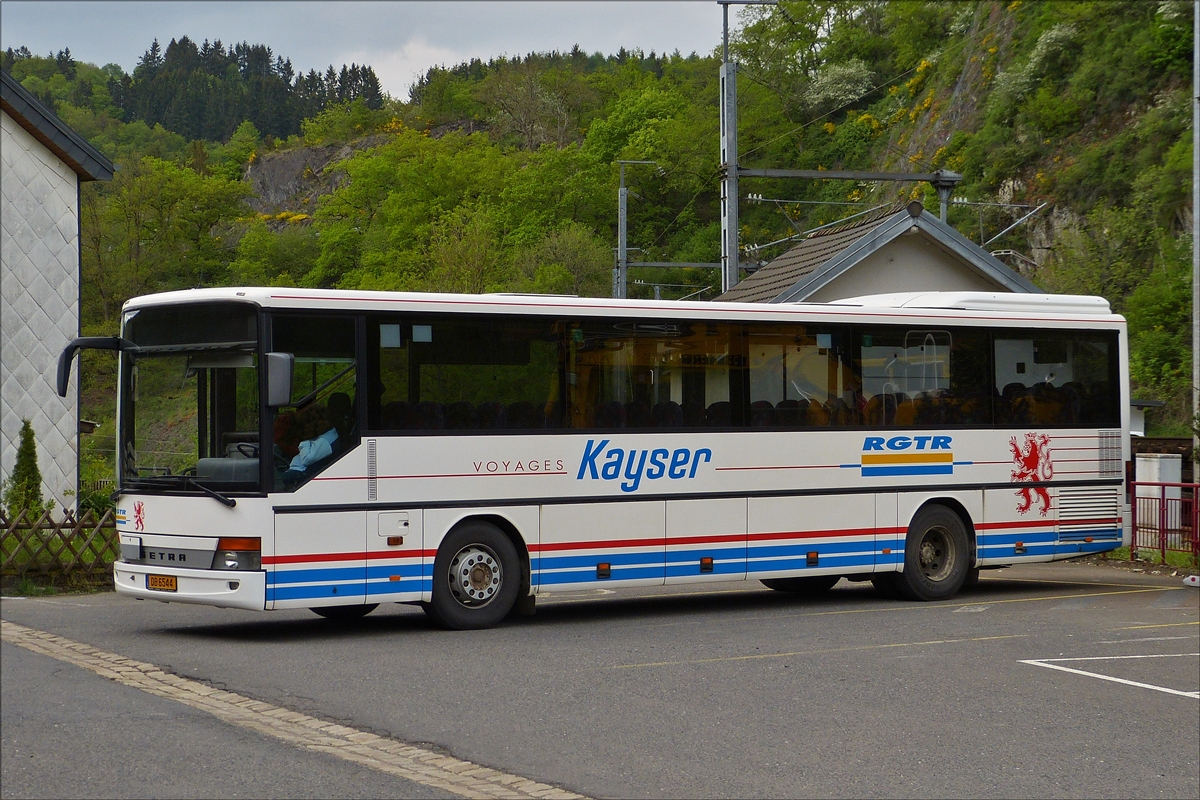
x,y
762,414
667,414
638,415
610,415
719,414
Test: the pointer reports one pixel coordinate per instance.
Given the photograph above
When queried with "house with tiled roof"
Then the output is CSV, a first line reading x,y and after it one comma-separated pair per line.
x,y
888,251
44,163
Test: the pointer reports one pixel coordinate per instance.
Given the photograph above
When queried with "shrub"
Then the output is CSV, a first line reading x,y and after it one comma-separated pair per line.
x,y
23,489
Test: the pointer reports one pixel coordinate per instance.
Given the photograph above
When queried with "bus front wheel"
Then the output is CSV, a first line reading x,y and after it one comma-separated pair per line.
x,y
936,560
476,578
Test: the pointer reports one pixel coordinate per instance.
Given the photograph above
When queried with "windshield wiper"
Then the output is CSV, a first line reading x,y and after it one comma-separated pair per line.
x,y
213,493
187,480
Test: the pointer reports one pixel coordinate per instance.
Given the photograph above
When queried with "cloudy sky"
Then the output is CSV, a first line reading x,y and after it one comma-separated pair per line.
x,y
399,39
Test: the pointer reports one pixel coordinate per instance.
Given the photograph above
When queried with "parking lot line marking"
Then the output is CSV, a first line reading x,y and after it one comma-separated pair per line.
x,y
1149,639
760,656
952,604
1119,658
1163,625
392,756
1073,583
1140,685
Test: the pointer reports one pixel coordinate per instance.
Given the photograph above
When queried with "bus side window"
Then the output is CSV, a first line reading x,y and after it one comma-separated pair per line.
x,y
463,373
654,375
923,377
801,377
1057,378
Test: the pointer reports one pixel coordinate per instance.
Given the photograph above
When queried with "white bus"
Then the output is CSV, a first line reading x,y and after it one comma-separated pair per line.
x,y
333,450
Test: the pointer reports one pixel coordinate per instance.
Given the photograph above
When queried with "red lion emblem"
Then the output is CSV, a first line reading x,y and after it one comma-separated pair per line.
x,y
139,516
1033,464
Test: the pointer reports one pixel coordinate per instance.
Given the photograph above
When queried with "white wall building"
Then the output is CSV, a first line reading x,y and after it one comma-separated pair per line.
x,y
43,164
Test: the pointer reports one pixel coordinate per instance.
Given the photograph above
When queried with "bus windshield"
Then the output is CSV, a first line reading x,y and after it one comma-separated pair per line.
x,y
190,399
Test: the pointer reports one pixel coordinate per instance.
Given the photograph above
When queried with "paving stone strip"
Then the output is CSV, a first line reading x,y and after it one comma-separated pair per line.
x,y
378,752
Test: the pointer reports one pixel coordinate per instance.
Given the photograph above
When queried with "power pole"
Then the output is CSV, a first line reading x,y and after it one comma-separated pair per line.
x,y
730,260
729,163
621,274
1195,229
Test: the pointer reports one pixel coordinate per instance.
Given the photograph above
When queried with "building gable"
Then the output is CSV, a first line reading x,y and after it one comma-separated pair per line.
x,y
904,250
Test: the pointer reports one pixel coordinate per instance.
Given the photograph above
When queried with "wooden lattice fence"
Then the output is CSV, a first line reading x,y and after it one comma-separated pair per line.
x,y
70,546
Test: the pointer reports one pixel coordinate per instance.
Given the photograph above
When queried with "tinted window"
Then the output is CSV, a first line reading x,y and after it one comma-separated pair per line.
x,y
924,377
666,374
1057,378
801,376
465,373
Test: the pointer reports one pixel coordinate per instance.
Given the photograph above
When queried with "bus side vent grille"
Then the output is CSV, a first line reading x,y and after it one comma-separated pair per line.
x,y
372,472
1110,454
1088,512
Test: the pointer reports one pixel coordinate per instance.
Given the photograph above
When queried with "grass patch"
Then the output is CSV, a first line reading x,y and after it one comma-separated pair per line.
x,y
37,585
1174,558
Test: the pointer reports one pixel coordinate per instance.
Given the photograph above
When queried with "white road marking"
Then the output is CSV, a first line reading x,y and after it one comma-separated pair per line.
x,y
1045,662
1150,639
388,755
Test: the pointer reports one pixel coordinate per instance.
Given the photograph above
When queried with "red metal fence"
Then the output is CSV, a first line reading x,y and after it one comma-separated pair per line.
x,y
1165,518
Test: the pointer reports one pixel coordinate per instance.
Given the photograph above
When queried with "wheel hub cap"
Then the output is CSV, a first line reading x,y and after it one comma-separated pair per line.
x,y
475,576
936,554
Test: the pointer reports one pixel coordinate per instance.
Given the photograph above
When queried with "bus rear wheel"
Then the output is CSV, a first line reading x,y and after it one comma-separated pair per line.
x,y
814,584
344,613
476,578
936,560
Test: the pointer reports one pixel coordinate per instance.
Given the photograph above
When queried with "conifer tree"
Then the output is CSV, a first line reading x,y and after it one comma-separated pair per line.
x,y
23,489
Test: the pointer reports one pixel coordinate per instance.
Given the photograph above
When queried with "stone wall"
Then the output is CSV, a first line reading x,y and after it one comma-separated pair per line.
x,y
39,306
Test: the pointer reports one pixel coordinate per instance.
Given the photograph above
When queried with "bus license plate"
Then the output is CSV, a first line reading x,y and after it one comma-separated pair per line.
x,y
162,583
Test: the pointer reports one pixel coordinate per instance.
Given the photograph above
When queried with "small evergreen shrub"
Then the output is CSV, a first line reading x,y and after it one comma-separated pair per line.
x,y
23,489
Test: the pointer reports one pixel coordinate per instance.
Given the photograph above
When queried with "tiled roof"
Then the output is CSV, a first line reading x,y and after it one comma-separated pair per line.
x,y
87,162
802,260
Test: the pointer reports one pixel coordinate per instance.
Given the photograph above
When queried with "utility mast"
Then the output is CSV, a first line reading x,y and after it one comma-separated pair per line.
x,y
730,258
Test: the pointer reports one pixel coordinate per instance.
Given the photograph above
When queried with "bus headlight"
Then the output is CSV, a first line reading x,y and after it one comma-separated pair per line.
x,y
238,553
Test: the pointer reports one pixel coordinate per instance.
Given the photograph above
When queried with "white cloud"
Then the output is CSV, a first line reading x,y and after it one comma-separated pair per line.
x,y
398,69
398,39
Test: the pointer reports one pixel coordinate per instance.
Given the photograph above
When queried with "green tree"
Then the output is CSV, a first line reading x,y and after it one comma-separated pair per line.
x,y
23,489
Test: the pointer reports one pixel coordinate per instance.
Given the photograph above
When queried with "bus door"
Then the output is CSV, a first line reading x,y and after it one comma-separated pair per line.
x,y
706,540
319,559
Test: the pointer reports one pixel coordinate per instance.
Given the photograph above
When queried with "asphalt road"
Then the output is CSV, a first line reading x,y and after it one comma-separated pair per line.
x,y
726,691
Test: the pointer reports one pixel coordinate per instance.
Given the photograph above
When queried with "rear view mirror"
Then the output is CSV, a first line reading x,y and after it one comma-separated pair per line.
x,y
279,379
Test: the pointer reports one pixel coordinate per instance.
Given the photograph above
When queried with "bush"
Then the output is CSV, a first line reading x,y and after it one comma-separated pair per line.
x,y
23,489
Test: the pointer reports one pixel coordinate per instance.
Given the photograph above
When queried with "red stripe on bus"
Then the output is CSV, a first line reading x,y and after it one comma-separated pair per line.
x,y
307,558
446,475
799,466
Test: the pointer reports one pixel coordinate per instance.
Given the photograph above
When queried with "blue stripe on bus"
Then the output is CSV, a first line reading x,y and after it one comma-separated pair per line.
x,y
403,570
799,564
719,568
614,559
324,590
824,548
589,576
913,469
396,587
326,574
994,539
1007,550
